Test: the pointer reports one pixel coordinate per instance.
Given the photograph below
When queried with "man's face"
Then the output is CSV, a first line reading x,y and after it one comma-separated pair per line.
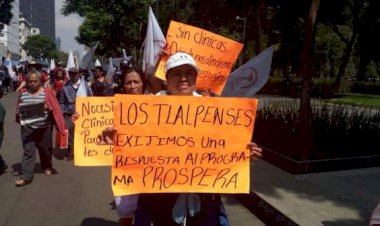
x,y
74,76
34,83
181,80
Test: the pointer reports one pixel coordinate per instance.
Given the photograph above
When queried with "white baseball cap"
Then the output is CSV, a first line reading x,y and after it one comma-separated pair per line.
x,y
179,59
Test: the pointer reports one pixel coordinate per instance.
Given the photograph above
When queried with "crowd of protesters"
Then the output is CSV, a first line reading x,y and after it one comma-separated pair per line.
x,y
44,103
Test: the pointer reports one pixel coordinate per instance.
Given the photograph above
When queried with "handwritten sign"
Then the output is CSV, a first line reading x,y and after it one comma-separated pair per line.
x,y
214,54
182,144
95,114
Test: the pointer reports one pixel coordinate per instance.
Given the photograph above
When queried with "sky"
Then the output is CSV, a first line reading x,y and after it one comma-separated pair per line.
x,y
66,27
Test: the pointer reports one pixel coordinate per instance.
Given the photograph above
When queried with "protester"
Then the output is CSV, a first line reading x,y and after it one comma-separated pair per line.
x,y
100,86
181,74
36,109
67,104
34,66
3,74
3,165
59,81
133,82
85,74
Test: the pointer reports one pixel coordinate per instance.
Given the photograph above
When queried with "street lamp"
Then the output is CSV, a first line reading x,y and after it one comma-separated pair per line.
x,y
244,19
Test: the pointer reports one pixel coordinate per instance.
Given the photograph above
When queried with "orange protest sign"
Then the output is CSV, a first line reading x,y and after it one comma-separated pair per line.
x,y
214,54
182,144
95,114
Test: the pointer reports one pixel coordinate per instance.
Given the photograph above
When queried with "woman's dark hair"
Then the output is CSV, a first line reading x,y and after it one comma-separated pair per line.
x,y
137,69
100,68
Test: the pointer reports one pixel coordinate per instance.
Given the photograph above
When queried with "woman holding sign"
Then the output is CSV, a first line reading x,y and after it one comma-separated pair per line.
x,y
167,209
133,82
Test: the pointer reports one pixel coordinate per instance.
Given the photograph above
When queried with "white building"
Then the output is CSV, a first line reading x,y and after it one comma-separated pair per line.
x,y
35,31
10,36
25,32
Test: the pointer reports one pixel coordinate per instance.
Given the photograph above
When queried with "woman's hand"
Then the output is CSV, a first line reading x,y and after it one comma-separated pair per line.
x,y
47,108
74,117
107,136
255,151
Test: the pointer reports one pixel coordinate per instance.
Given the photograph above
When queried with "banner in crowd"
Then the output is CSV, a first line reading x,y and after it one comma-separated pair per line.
x,y
214,54
182,144
154,42
251,77
95,114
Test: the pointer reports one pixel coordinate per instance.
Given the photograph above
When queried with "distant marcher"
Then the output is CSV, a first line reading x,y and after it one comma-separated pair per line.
x,y
67,104
37,109
59,81
3,165
100,86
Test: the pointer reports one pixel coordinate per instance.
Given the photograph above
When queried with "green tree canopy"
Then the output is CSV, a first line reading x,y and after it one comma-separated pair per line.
x,y
5,12
40,46
116,24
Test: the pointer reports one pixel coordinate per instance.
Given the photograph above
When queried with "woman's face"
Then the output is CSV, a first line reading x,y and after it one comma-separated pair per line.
x,y
34,83
98,73
181,80
60,74
133,83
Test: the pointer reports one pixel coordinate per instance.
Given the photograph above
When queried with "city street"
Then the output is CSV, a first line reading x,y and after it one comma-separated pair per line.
x,y
72,195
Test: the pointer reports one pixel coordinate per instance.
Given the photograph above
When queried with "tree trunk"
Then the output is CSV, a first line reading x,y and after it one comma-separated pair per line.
x,y
305,112
345,60
364,62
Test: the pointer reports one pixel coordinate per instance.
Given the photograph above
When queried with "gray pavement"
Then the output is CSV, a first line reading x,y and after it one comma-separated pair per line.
x,y
72,196
332,199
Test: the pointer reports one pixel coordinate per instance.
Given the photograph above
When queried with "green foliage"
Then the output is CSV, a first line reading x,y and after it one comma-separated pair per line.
x,y
5,11
119,24
321,87
338,130
115,24
61,57
357,99
40,47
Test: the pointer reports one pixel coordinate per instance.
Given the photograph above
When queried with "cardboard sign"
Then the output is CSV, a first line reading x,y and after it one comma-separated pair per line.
x,y
182,144
214,54
95,114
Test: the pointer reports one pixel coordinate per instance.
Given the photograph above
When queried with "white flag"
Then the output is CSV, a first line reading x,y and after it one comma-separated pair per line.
x,y
124,54
87,57
10,69
70,61
52,64
250,77
110,70
81,92
97,63
153,43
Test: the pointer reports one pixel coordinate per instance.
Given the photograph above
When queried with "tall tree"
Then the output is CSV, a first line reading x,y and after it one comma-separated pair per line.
x,y
5,12
306,72
116,24
40,47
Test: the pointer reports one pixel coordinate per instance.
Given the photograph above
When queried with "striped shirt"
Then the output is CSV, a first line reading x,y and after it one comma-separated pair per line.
x,y
36,120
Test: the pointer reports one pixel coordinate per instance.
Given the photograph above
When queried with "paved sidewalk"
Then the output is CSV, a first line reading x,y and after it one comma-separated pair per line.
x,y
332,199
